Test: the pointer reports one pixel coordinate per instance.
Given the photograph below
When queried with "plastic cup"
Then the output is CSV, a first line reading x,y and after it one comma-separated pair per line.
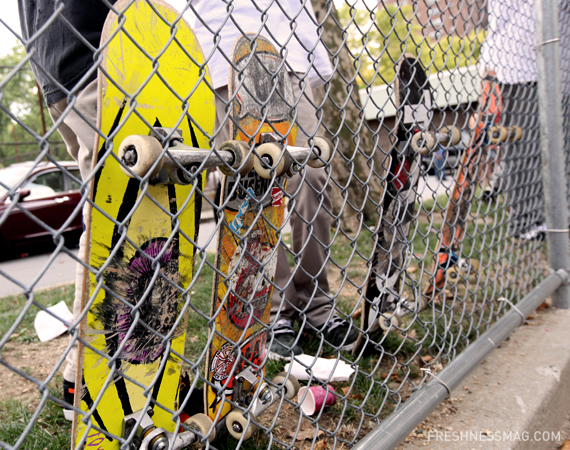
x,y
316,398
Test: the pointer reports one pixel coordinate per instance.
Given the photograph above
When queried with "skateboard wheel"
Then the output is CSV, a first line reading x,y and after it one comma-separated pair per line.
x,y
475,265
454,134
243,160
469,266
324,147
387,323
290,384
138,154
272,159
515,133
422,303
498,134
202,424
452,273
237,425
423,142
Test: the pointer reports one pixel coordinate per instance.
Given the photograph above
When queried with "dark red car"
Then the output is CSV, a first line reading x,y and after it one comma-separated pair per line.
x,y
48,198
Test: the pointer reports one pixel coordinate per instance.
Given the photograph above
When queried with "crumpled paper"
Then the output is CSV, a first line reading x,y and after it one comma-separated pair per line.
x,y
320,368
47,326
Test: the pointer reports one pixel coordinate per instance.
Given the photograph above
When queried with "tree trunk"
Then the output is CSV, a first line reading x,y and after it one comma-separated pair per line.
x,y
357,172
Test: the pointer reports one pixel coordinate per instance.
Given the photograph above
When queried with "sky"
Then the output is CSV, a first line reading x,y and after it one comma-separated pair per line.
x,y
9,16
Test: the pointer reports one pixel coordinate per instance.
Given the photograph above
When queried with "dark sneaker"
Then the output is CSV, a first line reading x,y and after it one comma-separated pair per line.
x,y
341,334
195,404
68,397
283,346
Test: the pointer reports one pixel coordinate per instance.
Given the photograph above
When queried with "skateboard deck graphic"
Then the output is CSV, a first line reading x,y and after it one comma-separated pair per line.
x,y
382,304
253,209
474,169
139,234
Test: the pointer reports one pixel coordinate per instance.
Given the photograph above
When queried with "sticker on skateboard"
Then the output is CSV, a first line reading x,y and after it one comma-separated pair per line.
x,y
253,213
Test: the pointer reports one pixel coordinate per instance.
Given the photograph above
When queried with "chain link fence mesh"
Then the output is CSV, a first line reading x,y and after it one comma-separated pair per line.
x,y
388,263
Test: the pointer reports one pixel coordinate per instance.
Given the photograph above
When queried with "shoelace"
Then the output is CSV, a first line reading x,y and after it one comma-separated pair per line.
x,y
336,322
283,326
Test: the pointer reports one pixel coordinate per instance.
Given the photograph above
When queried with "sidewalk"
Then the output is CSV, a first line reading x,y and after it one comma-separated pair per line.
x,y
518,398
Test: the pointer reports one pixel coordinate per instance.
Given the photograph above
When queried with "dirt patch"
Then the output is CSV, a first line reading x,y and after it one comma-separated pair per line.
x,y
302,432
34,360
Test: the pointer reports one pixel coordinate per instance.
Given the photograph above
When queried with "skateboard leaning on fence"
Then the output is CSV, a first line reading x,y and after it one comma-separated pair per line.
x,y
477,165
383,305
141,227
253,205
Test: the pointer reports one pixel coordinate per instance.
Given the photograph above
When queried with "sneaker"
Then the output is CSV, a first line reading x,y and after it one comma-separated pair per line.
x,y
68,397
283,346
341,333
195,404
537,232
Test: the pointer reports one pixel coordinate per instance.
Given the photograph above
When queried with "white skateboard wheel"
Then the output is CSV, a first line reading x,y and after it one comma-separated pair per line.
x,y
452,273
290,384
138,154
272,159
243,159
498,134
468,266
202,424
237,425
423,142
388,323
454,134
324,147
515,133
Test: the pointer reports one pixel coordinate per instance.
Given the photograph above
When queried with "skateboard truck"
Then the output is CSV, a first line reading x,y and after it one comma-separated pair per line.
x,y
178,165
150,437
462,268
426,141
497,134
258,399
275,156
392,316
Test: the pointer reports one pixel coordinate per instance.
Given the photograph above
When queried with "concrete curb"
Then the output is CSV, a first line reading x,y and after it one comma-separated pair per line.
x,y
519,398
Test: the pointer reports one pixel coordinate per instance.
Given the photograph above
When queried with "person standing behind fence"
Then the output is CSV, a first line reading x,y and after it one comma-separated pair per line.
x,y
62,63
303,294
509,51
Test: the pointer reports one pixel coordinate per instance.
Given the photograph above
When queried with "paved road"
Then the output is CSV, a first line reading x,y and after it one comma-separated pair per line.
x,y
36,270
20,274
27,272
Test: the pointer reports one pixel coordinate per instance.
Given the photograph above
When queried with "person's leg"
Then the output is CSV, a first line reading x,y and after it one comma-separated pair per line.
x,y
521,180
305,292
307,288
79,136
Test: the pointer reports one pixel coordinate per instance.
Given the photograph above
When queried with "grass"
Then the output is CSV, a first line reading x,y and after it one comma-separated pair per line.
x,y
12,307
50,432
388,372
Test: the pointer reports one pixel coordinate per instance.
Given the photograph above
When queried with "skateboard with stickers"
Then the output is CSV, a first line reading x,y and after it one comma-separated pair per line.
x,y
383,304
478,164
253,205
141,228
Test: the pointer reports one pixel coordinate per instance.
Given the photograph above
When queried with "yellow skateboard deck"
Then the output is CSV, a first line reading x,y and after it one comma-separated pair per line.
x,y
140,235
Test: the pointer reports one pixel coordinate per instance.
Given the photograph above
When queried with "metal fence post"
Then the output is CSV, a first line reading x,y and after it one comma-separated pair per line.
x,y
551,141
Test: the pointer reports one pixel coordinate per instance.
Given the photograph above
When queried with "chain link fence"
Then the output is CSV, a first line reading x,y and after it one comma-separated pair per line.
x,y
422,230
